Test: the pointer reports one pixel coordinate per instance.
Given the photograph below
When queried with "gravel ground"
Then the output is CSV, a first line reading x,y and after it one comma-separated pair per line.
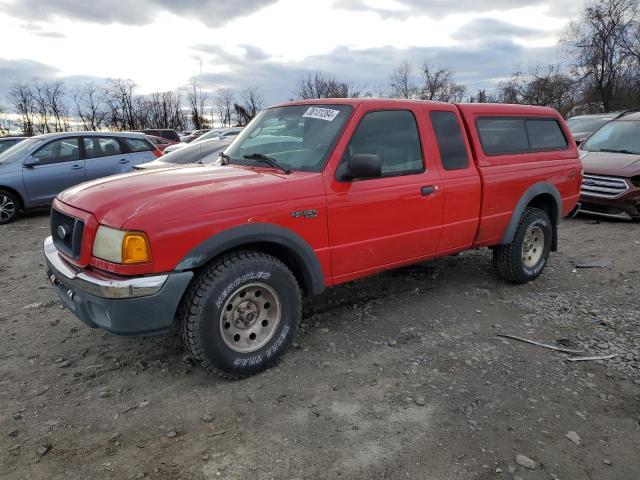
x,y
398,376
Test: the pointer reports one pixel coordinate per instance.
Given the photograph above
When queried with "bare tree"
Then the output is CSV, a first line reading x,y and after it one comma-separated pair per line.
x,y
252,101
401,84
439,84
602,44
23,102
224,105
482,97
5,123
56,103
91,105
320,85
542,86
120,100
196,100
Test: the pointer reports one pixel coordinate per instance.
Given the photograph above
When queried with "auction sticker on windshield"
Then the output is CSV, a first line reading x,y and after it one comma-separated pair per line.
x,y
327,114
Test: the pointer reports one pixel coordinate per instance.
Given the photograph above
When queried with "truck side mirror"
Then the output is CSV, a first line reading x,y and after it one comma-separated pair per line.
x,y
31,162
364,165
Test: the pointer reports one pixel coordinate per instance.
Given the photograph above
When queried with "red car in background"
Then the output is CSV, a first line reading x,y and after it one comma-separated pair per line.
x,y
160,142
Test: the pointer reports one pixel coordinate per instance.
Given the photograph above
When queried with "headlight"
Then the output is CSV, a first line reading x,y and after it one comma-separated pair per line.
x,y
119,246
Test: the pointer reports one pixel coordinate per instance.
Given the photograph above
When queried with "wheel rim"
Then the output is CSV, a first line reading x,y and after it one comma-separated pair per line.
x,y
7,208
533,246
250,317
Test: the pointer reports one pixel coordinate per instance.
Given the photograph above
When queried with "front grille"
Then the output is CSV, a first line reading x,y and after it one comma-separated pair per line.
x,y
603,186
66,232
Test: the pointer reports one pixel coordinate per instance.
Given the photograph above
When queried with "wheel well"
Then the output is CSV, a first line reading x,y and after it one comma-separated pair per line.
x,y
289,258
547,203
15,193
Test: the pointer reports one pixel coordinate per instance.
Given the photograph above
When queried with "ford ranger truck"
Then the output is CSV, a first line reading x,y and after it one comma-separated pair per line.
x,y
310,195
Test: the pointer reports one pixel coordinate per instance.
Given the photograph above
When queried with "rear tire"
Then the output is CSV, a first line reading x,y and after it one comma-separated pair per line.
x,y
525,257
9,207
240,314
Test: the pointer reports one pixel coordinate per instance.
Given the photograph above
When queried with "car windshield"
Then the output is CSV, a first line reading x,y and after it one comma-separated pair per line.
x,y
210,135
621,136
194,153
299,137
586,124
19,149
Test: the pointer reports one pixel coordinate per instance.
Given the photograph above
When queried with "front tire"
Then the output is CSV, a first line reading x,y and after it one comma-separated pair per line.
x,y
525,257
9,207
240,314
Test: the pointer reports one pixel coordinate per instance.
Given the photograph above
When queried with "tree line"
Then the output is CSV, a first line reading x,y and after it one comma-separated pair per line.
x,y
601,74
45,107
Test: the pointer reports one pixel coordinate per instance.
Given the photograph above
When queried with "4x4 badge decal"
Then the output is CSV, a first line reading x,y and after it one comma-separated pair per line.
x,y
311,213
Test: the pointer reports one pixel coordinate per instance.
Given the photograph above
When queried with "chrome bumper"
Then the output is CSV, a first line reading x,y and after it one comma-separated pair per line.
x,y
97,284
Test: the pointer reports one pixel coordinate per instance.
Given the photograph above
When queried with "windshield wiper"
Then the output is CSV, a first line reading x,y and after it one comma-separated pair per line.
x,y
619,150
272,162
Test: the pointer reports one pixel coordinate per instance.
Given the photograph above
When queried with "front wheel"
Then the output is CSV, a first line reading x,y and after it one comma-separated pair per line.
x,y
525,257
240,314
9,207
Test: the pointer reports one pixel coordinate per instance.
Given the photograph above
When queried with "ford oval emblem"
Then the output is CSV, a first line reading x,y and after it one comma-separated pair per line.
x,y
61,232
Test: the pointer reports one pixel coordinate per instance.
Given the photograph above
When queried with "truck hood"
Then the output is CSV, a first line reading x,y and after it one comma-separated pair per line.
x,y
116,200
616,164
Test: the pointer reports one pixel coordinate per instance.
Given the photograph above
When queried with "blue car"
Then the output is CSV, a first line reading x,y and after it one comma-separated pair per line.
x,y
35,170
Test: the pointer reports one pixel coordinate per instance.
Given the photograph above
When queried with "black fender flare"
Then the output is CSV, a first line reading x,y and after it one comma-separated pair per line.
x,y
305,258
532,192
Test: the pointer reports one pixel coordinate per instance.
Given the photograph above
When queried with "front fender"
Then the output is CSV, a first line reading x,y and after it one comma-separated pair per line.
x,y
261,233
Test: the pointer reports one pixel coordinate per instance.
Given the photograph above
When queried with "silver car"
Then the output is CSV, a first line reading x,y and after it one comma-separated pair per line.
x,y
205,152
35,170
215,134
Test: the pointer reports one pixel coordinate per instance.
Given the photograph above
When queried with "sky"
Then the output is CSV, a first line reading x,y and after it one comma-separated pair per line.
x,y
271,44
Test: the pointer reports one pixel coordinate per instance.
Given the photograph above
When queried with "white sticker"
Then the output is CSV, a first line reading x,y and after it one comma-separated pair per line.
x,y
321,113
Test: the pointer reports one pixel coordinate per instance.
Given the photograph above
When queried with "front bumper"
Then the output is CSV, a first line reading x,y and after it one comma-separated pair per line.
x,y
626,206
120,305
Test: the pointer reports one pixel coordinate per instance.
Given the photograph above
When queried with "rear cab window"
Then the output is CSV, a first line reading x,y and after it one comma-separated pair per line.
x,y
453,151
513,135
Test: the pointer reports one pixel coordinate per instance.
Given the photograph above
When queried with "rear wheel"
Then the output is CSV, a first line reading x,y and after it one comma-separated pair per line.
x,y
240,314
525,257
9,207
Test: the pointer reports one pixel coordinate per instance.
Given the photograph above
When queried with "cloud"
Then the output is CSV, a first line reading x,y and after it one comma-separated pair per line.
x,y
491,30
403,9
138,12
481,66
12,71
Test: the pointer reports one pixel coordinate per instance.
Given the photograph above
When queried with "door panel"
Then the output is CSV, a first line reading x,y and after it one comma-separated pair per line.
x,y
104,156
60,168
374,223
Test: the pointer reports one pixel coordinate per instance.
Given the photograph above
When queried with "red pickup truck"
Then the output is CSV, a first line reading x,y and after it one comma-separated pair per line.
x,y
310,195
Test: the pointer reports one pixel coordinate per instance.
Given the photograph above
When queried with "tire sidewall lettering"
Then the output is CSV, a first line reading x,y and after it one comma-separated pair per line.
x,y
237,282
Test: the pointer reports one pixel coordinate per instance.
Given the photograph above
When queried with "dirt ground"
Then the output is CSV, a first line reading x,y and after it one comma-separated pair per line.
x,y
397,376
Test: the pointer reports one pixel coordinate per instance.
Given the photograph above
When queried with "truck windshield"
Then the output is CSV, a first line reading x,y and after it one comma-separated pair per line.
x,y
620,136
299,137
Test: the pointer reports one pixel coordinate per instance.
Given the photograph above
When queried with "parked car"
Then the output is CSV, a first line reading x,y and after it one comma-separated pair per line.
x,y
195,134
611,160
34,171
355,187
161,143
215,134
168,133
205,152
584,125
7,142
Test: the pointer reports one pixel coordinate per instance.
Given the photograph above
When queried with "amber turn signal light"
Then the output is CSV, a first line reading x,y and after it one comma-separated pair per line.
x,y
135,248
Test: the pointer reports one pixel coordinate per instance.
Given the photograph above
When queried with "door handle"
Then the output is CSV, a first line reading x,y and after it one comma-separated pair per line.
x,y
428,190
124,160
76,167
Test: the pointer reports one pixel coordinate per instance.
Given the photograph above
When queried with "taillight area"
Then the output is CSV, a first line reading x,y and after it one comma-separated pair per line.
x,y
157,153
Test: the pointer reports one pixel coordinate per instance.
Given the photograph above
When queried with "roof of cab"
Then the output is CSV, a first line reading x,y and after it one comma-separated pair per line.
x,y
471,108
